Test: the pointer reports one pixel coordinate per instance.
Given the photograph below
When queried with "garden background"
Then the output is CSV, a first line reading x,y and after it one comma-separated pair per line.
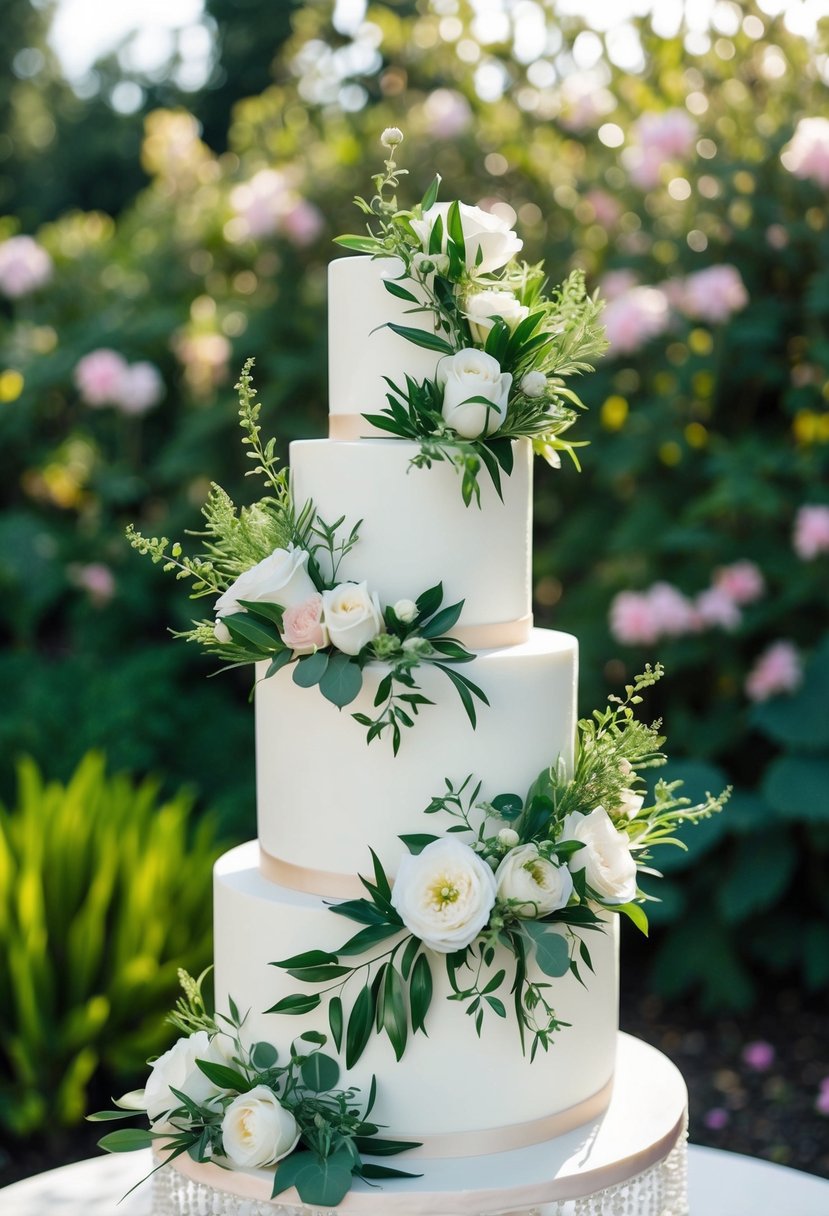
x,y
163,219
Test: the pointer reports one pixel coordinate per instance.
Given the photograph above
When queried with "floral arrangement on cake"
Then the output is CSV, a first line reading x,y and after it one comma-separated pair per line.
x,y
508,347
533,874
274,572
236,1105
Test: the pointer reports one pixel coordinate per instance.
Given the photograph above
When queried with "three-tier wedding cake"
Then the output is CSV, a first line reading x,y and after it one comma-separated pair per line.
x,y
443,849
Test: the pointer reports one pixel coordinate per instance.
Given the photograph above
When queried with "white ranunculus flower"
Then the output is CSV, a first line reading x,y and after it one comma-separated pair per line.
x,y
606,857
352,616
533,384
444,895
405,611
630,803
467,374
481,231
177,1068
257,1130
484,305
539,884
281,578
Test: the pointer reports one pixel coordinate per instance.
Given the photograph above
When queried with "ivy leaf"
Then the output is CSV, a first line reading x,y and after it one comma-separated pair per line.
x,y
360,1022
341,681
420,993
422,337
319,1072
395,1021
310,669
551,950
298,1003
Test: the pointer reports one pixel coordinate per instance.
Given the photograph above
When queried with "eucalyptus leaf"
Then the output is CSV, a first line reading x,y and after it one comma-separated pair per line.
x,y
319,1072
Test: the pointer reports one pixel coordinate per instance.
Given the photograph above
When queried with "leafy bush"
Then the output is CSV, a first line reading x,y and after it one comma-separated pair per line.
x,y
104,894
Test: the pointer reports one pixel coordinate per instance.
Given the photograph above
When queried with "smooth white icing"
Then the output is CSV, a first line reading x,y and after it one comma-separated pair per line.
x,y
415,530
324,794
449,1082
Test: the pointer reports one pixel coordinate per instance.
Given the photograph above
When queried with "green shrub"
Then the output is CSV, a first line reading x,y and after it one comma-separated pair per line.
x,y
104,894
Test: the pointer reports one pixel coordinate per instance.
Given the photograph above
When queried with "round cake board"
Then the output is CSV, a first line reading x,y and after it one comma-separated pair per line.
x,y
644,1122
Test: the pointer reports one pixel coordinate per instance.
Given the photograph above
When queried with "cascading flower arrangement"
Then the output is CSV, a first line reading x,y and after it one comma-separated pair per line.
x,y
508,347
274,572
533,875
221,1100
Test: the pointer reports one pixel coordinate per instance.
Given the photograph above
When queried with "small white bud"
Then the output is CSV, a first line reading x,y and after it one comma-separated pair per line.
x,y
533,384
508,837
405,611
222,632
391,137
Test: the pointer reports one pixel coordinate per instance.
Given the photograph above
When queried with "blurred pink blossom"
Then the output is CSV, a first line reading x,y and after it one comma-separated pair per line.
x,y
742,582
758,1055
806,154
644,166
606,208
140,389
777,236
261,202
634,318
98,376
617,283
671,133
447,114
716,1119
672,611
777,670
24,266
632,620
303,223
822,1100
713,294
811,532
96,579
716,608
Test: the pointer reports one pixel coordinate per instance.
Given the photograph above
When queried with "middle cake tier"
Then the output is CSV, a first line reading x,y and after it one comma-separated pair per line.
x,y
324,795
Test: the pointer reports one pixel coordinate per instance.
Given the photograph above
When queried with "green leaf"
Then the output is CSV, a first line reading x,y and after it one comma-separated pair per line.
x,y
263,1056
430,197
368,1169
245,628
127,1140
298,1003
402,293
454,227
421,337
102,1116
280,660
416,842
409,955
222,1076
319,975
797,787
635,913
310,669
376,1146
309,958
508,806
288,1170
360,1023
465,689
342,680
760,871
552,952
436,236
272,613
360,910
325,1182
372,935
319,1073
360,244
335,1020
395,1021
420,993
429,602
442,621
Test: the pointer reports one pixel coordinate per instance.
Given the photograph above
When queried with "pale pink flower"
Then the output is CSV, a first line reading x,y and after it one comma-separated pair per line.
x,y
674,291
632,620
806,154
716,608
98,376
672,611
261,202
644,166
742,582
447,114
302,626
24,266
671,133
96,579
633,319
758,1055
607,210
303,223
777,670
713,294
617,283
811,532
777,236
141,387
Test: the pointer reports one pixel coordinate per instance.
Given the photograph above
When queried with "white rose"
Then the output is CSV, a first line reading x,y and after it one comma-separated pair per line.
x,y
533,384
481,231
177,1069
444,895
606,857
484,305
467,374
539,884
281,578
405,611
257,1130
508,837
630,803
352,615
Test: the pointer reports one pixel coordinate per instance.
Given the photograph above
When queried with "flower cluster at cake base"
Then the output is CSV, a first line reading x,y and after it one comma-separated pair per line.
x,y
221,1099
507,347
274,571
507,898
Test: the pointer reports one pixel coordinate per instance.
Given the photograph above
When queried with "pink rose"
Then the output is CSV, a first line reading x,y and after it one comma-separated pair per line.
x,y
742,582
715,607
303,223
140,389
811,532
632,620
24,266
635,317
99,376
302,626
807,152
670,133
672,611
713,294
777,670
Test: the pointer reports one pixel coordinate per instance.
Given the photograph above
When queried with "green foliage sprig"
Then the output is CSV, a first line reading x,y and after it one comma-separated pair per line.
x,y
334,1126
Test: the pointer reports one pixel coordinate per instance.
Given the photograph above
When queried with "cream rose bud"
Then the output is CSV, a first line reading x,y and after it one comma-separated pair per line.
x,y
508,837
483,232
281,578
444,895
352,616
405,611
468,374
606,858
539,884
303,628
630,803
221,631
533,384
257,1130
177,1069
482,307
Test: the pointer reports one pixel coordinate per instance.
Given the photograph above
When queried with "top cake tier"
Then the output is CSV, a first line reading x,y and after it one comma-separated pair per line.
x,y
361,347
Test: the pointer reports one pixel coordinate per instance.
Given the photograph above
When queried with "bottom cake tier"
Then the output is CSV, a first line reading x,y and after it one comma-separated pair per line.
x,y
631,1161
